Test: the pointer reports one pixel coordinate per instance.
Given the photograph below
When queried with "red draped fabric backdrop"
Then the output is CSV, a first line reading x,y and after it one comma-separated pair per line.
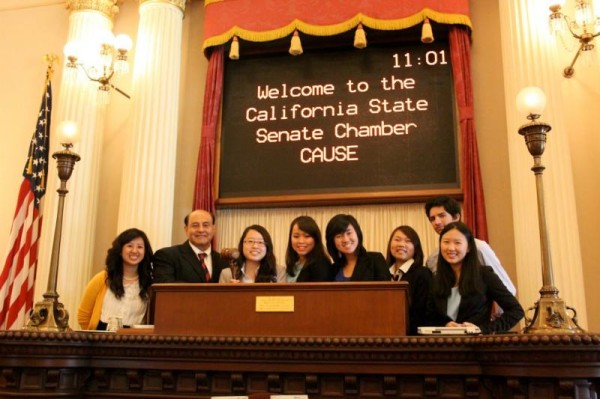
x,y
204,191
473,201
259,21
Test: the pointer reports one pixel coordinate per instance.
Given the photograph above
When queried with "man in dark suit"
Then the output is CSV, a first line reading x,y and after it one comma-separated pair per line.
x,y
194,261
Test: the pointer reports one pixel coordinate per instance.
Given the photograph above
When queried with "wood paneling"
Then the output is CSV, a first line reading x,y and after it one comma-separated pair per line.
x,y
95,365
319,309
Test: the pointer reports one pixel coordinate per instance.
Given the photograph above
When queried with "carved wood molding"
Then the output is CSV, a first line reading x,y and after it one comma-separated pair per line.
x,y
452,350
119,383
519,366
515,339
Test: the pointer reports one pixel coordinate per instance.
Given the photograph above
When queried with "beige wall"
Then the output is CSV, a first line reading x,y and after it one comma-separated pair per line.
x,y
26,34
491,125
583,92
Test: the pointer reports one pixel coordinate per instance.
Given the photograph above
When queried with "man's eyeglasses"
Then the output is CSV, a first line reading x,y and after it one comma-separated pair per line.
x,y
252,243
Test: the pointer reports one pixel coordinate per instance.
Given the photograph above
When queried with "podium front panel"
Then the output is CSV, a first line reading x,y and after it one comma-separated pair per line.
x,y
350,309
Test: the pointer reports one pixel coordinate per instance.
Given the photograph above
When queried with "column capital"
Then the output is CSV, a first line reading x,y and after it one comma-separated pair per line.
x,y
177,3
107,7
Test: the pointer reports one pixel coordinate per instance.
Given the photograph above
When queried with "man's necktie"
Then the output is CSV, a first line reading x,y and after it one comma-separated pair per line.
x,y
201,257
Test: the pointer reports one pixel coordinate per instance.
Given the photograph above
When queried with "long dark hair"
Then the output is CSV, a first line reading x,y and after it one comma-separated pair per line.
x,y
114,263
338,225
267,271
307,225
470,277
414,238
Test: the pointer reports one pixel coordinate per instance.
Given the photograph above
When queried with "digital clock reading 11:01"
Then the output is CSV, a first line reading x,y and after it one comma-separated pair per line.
x,y
431,58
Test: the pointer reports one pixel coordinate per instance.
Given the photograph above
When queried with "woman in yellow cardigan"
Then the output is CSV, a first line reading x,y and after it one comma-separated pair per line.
x,y
121,290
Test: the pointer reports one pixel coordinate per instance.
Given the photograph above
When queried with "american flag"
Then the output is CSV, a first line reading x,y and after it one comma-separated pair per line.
x,y
17,276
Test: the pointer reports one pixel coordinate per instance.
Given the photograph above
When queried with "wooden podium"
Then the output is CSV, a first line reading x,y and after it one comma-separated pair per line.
x,y
332,340
261,309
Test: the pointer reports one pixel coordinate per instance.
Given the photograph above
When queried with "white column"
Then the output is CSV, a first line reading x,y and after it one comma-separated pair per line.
x,y
147,188
79,223
530,60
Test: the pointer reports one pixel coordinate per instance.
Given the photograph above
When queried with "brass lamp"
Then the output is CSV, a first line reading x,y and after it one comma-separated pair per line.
x,y
583,28
50,314
550,311
101,66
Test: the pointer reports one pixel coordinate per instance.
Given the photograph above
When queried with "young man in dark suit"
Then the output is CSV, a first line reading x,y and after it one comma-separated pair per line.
x,y
194,261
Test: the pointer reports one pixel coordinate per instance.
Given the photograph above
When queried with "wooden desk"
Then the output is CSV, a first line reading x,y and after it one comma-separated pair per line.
x,y
93,365
302,310
332,345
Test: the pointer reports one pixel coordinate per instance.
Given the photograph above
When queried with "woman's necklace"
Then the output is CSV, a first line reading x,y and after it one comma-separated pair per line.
x,y
131,279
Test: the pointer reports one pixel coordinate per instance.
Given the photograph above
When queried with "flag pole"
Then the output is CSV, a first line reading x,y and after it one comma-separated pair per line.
x,y
17,273
50,59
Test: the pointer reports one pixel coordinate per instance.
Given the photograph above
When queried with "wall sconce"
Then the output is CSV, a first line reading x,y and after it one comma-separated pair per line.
x,y
584,28
550,312
50,314
109,60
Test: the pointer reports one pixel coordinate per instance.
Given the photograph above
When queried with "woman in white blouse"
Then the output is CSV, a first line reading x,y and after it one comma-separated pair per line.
x,y
121,290
257,263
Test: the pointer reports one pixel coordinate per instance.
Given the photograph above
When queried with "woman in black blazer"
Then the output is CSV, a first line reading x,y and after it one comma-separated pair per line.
x,y
463,291
405,259
351,261
305,258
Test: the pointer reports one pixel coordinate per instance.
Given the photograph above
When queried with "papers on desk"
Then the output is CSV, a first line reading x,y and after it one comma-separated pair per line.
x,y
146,326
474,330
272,397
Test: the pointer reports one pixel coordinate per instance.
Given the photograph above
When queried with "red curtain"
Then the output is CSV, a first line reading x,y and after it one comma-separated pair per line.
x,y
265,20
473,202
204,193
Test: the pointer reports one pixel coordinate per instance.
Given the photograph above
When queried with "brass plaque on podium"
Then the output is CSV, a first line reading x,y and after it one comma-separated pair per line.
x,y
274,303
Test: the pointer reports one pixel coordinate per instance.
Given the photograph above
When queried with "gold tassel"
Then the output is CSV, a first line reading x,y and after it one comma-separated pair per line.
x,y
360,37
234,51
296,45
426,33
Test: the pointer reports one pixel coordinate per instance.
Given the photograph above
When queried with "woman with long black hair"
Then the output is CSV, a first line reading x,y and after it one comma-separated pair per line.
x,y
463,290
305,258
121,290
257,263
405,258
